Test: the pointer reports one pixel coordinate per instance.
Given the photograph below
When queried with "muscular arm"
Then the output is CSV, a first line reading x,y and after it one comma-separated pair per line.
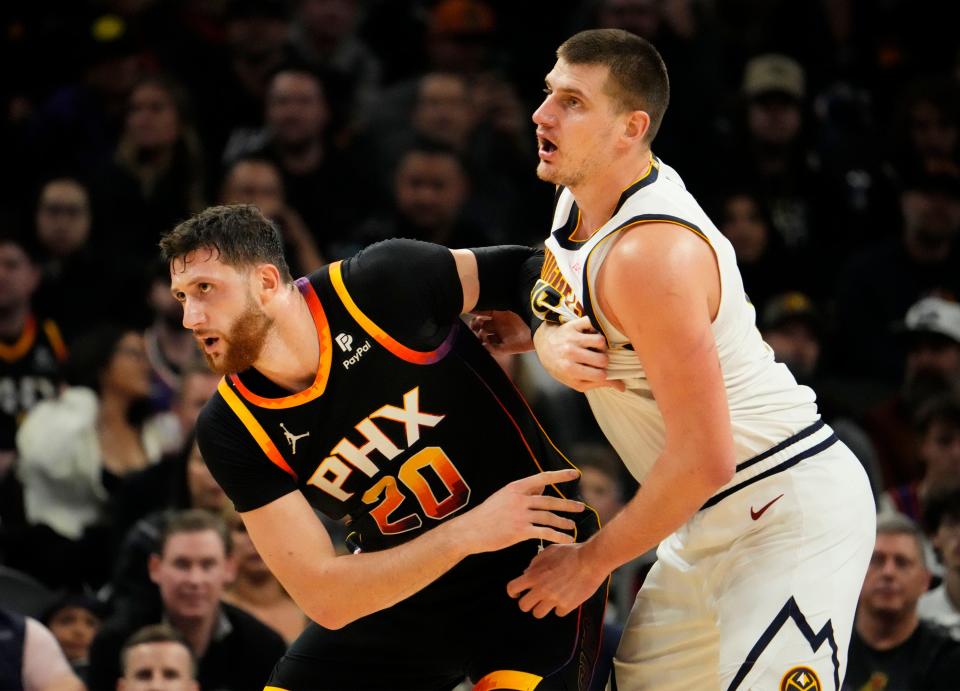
x,y
336,590
662,286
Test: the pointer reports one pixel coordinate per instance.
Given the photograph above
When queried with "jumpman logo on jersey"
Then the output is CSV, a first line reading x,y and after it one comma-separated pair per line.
x,y
292,438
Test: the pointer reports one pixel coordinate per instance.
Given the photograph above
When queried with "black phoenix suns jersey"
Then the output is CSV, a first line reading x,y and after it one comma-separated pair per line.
x,y
29,373
409,420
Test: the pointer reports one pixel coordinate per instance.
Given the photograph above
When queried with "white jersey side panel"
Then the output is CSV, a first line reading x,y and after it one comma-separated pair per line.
x,y
766,403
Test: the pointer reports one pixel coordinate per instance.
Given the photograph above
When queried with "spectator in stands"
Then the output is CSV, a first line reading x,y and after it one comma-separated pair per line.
x,y
30,657
429,191
318,180
170,348
324,34
255,589
777,162
941,515
230,91
73,450
67,259
73,619
31,355
761,256
191,569
156,658
891,648
257,180
77,129
483,122
926,135
145,504
937,434
932,332
881,282
155,180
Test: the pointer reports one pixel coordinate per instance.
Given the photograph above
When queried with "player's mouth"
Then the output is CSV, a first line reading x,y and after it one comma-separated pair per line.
x,y
208,343
546,148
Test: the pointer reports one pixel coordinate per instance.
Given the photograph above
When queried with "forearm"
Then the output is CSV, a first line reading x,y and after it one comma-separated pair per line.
x,y
352,586
668,497
507,274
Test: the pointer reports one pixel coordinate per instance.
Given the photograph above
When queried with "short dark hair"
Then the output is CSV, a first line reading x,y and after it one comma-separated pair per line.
x,y
638,77
943,409
940,504
156,633
239,233
195,521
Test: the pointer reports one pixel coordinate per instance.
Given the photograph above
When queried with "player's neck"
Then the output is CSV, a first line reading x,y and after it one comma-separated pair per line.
x,y
597,196
291,354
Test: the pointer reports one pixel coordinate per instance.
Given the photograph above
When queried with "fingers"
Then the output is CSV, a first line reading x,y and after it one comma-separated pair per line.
x,y
546,518
534,484
551,535
518,585
543,502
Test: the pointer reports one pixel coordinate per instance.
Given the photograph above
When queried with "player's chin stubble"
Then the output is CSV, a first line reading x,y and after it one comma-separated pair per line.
x,y
243,342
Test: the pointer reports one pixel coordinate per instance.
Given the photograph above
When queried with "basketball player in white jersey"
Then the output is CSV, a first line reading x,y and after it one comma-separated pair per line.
x,y
764,520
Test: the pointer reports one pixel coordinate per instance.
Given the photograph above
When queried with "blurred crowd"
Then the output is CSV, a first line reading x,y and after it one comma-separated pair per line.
x,y
822,136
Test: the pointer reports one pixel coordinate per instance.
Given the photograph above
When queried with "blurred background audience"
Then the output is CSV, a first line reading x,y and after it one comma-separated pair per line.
x,y
824,138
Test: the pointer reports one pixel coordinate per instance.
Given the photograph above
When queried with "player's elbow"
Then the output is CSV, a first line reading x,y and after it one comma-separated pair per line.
x,y
330,617
720,468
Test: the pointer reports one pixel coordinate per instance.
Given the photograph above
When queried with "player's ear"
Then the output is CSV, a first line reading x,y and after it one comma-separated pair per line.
x,y
636,126
268,280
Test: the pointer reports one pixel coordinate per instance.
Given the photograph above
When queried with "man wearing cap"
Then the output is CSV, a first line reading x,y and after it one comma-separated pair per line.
x,y
931,330
882,282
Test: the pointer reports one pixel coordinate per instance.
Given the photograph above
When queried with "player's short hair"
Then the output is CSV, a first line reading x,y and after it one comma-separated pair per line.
x,y
156,633
638,77
195,521
898,524
239,234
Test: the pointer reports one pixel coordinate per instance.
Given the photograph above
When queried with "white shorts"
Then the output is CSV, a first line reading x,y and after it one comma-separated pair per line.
x,y
759,590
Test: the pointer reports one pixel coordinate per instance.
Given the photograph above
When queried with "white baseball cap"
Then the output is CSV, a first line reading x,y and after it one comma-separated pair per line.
x,y
934,315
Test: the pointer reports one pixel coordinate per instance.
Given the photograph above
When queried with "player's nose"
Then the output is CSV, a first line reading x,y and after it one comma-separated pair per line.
x,y
193,315
543,115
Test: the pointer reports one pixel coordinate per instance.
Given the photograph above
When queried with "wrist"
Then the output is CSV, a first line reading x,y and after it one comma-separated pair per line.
x,y
453,538
596,557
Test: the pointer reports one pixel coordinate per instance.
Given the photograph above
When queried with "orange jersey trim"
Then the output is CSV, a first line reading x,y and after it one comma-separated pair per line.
x,y
56,340
508,679
319,385
255,428
15,351
417,357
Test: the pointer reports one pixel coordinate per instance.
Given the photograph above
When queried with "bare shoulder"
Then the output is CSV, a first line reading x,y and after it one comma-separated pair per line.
x,y
656,258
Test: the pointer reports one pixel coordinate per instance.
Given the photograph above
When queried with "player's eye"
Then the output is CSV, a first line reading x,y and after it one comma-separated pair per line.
x,y
204,287
179,296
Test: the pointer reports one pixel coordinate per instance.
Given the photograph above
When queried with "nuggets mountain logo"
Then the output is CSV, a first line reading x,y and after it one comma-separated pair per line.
x,y
800,679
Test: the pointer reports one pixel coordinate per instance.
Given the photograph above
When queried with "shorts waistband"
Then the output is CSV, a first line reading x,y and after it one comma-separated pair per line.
x,y
807,442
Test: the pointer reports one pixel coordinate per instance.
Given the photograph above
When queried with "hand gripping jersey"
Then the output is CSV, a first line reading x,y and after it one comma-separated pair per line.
x,y
408,422
766,404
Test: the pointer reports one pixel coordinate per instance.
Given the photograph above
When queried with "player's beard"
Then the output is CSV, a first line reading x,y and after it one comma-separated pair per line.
x,y
243,342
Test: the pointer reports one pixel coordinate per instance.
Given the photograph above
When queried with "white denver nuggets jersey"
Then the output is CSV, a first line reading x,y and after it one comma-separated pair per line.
x,y
766,403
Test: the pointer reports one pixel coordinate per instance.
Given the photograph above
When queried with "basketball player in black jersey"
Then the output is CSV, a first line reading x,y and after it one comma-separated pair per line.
x,y
358,391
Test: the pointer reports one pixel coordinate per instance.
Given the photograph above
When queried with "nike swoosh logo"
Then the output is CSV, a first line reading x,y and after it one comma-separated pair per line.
x,y
756,514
